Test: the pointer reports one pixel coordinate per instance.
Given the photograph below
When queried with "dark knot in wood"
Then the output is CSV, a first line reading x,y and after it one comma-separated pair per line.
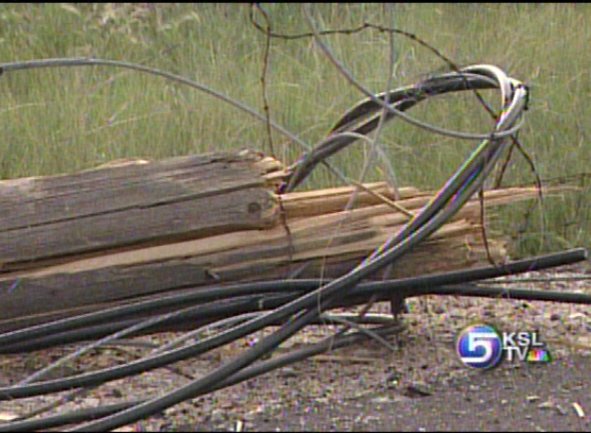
x,y
254,208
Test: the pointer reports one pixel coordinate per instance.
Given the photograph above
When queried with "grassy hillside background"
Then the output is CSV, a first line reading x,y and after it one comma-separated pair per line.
x,y
61,120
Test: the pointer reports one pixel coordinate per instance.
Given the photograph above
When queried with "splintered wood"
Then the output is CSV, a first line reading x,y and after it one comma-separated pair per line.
x,y
132,229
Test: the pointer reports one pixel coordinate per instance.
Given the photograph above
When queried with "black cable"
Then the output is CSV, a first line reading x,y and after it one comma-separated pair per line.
x,y
358,296
201,385
406,287
196,295
305,309
461,186
196,315
467,290
410,285
401,99
77,416
202,294
266,345
253,371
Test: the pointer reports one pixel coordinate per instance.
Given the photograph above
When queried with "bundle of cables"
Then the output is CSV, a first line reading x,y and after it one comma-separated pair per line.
x,y
240,310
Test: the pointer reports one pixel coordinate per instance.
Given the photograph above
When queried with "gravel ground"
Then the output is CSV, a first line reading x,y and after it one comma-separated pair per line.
x,y
422,385
528,398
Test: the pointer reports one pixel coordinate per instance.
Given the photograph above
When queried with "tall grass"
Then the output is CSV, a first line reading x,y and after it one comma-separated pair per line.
x,y
61,120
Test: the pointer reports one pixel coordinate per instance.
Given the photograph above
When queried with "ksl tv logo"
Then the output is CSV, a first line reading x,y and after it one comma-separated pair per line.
x,y
483,346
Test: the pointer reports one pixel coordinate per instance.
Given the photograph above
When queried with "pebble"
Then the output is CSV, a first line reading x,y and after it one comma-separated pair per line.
x,y
562,411
288,372
418,389
549,404
393,379
381,400
217,416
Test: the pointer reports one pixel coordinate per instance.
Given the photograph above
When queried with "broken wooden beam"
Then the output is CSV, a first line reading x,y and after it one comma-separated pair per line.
x,y
132,229
131,203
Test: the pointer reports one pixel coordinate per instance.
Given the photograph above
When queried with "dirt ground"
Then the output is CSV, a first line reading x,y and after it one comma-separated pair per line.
x,y
524,398
421,386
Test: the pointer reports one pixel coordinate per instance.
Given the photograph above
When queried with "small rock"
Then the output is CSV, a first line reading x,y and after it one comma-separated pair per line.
x,y
116,393
288,372
418,389
532,398
92,401
381,400
217,416
579,410
126,429
549,404
393,379
562,411
226,404
7,416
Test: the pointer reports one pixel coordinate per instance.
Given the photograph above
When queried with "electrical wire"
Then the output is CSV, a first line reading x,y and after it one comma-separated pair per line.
x,y
294,310
299,354
399,100
200,295
309,306
82,61
550,260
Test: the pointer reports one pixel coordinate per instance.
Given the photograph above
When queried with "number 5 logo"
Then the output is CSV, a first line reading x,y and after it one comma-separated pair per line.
x,y
479,346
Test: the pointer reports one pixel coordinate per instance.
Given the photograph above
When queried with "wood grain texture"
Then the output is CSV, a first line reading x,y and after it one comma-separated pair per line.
x,y
134,203
135,229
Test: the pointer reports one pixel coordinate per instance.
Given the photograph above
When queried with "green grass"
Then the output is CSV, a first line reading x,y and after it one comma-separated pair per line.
x,y
62,120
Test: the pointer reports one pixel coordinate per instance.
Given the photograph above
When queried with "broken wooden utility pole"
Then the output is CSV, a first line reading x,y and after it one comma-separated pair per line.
x,y
130,229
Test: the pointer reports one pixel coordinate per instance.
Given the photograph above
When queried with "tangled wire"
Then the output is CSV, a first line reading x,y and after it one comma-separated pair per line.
x,y
290,304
